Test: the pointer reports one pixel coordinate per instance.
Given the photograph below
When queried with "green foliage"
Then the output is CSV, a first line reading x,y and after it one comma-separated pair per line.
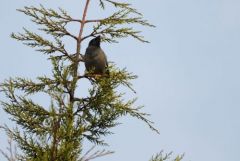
x,y
56,132
109,27
165,157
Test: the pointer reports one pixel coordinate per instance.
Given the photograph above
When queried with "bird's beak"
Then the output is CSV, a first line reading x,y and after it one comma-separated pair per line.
x,y
98,38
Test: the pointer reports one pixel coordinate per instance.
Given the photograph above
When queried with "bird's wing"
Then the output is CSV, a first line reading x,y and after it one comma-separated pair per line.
x,y
105,58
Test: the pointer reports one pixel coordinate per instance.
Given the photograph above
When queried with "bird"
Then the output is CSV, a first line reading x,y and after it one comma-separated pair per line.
x,y
95,59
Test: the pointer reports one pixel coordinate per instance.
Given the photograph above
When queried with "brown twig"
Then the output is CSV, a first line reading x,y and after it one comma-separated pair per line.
x,y
83,22
78,55
90,21
87,156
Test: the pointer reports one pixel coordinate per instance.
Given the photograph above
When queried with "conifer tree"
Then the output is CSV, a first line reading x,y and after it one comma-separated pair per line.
x,y
56,133
166,157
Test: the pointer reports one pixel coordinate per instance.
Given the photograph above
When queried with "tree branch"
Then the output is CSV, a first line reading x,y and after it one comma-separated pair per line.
x,y
81,28
78,55
96,154
90,21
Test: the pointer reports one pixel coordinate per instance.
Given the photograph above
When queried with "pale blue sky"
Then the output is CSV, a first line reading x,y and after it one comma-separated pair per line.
x,y
188,76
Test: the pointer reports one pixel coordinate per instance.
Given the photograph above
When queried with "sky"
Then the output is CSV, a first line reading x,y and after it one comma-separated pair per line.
x,y
188,76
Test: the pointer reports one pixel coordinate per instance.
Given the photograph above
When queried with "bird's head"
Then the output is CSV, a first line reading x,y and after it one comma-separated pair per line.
x,y
95,42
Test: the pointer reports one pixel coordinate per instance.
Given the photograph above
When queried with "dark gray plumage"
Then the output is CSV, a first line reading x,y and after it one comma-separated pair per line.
x,y
95,58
